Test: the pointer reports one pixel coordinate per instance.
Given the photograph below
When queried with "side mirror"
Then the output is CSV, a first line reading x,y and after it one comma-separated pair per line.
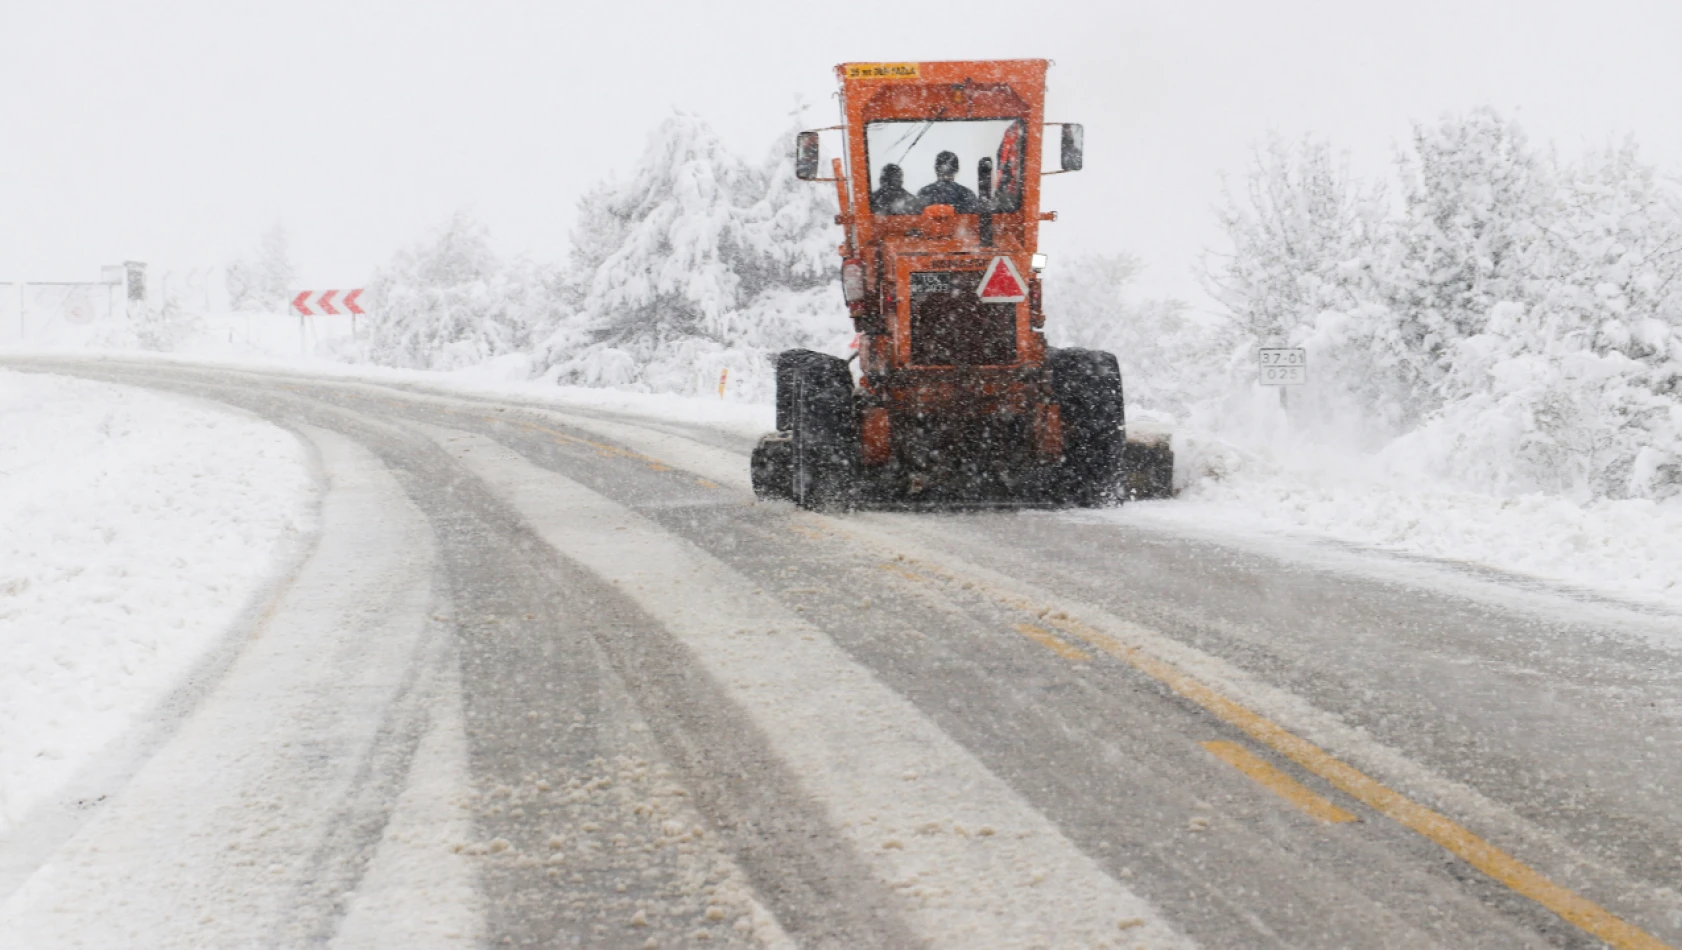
x,y
1074,146
806,156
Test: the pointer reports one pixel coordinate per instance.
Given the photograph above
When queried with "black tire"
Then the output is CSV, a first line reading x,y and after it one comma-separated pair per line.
x,y
772,468
815,407
1086,385
789,364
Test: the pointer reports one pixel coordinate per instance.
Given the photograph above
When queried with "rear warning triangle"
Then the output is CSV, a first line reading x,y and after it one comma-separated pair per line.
x,y
1002,284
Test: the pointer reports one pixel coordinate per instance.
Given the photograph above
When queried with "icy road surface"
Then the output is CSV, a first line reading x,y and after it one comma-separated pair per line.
x,y
551,678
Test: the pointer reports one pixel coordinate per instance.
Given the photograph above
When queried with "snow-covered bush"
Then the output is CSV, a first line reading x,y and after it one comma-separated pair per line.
x,y
697,263
1514,325
448,302
1573,385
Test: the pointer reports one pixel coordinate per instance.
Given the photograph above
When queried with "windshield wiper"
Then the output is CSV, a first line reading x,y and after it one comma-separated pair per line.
x,y
926,127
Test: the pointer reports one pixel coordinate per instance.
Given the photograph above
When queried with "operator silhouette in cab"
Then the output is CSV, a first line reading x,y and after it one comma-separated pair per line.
x,y
891,197
944,190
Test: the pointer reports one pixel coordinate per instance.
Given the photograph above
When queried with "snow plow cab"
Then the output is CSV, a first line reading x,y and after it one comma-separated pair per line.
x,y
956,398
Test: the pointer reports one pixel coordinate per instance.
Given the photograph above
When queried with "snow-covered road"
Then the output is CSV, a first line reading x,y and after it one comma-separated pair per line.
x,y
137,527
273,795
549,677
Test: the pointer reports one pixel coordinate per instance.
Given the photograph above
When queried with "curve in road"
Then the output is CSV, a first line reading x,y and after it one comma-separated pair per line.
x,y
683,714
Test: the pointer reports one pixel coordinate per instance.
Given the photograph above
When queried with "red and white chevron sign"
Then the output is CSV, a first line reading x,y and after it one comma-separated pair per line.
x,y
322,301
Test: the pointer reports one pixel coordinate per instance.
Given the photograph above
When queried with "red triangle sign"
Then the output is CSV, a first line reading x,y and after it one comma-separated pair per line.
x,y
1002,284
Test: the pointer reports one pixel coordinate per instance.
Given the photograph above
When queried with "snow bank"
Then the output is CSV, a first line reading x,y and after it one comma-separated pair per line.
x,y
208,335
1630,548
137,526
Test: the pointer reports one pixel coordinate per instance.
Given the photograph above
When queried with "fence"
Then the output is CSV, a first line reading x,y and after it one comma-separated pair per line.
x,y
41,309
192,300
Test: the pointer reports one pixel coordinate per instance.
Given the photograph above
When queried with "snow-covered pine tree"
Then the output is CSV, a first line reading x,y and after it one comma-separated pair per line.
x,y
795,289
696,263
677,267
791,226
1477,200
667,248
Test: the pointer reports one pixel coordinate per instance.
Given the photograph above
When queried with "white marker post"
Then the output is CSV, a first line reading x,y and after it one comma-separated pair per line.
x,y
1283,367
112,276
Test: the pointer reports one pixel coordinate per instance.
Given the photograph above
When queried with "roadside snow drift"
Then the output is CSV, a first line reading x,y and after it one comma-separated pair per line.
x,y
1630,548
136,527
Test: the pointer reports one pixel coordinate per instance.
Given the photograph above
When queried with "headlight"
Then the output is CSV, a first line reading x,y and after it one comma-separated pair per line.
x,y
852,280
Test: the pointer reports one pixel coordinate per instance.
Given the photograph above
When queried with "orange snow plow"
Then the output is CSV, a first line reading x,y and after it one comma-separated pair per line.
x,y
956,398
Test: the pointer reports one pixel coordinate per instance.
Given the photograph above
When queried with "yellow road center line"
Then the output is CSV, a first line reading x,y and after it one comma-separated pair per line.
x,y
1277,782
602,448
1052,642
805,531
1581,912
902,572
1458,840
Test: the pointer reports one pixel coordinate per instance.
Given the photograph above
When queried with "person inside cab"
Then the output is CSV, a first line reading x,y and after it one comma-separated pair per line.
x,y
891,197
945,190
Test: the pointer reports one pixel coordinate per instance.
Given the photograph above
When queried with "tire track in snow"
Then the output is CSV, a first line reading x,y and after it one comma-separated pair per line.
x,y
517,727
894,536
973,865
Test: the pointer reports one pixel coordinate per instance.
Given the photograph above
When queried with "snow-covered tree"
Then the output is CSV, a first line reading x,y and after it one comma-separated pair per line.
x,y
1575,387
680,243
1517,321
1310,266
791,226
1478,207
265,282
1304,241
696,263
448,302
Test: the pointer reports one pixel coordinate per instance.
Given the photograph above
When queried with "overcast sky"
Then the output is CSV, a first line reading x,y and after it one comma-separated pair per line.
x,y
175,132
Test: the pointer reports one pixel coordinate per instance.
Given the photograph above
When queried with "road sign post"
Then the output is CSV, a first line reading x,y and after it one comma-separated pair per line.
x,y
1283,367
309,303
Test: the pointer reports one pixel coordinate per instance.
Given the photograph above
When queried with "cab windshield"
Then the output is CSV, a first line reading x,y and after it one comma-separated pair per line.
x,y
909,158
